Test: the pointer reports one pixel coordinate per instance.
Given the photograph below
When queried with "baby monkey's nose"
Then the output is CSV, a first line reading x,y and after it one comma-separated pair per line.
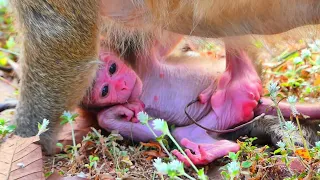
x,y
121,85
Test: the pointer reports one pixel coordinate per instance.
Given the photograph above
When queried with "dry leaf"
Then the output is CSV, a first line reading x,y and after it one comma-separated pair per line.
x,y
303,153
126,160
106,176
151,144
317,81
57,176
21,158
153,153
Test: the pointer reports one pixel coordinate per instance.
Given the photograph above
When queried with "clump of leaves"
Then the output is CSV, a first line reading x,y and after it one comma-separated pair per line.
x,y
96,155
245,161
7,42
174,168
297,162
297,71
93,162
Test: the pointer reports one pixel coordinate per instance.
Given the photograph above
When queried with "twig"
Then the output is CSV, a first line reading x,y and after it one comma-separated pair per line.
x,y
9,51
15,67
8,82
53,164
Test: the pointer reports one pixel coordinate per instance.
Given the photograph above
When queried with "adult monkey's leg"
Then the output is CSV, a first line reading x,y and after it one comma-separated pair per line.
x,y
59,55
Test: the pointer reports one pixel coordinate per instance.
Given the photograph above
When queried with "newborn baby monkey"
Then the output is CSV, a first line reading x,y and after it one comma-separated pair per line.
x,y
167,89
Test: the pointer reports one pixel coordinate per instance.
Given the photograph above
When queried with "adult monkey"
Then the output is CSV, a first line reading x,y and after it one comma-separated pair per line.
x,y
60,41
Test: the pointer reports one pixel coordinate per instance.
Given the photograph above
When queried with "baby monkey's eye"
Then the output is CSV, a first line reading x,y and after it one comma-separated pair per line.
x,y
113,68
105,91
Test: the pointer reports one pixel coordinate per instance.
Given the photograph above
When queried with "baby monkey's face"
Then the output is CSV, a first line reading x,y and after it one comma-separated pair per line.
x,y
114,83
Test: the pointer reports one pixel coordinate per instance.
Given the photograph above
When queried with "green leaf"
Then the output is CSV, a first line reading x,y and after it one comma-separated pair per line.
x,y
3,61
39,126
225,174
292,55
11,128
73,117
235,173
95,158
233,156
166,143
246,164
172,174
201,174
90,158
308,90
283,55
277,151
160,138
10,43
47,174
64,121
123,153
302,175
60,146
2,121
67,117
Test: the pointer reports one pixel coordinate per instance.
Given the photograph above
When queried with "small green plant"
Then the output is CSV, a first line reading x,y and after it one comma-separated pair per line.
x,y
273,89
113,149
232,169
43,127
92,162
5,129
68,117
289,127
117,153
172,169
60,145
235,169
144,119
